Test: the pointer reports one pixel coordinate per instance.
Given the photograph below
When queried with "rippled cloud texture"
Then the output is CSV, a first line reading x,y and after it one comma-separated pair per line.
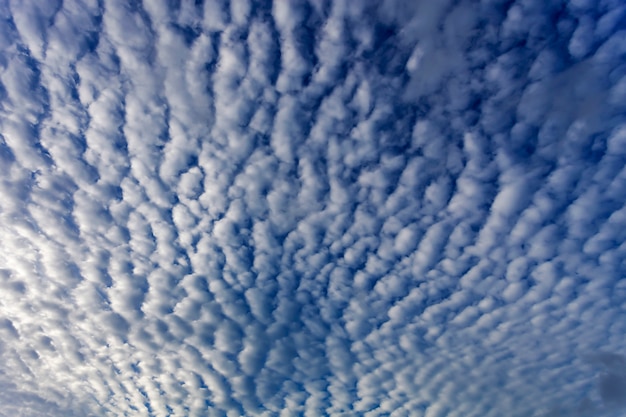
x,y
290,208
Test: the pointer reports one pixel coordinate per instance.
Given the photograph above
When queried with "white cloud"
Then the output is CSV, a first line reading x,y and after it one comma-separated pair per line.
x,y
318,208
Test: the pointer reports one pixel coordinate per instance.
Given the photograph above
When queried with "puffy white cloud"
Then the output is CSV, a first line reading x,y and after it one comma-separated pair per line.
x,y
312,208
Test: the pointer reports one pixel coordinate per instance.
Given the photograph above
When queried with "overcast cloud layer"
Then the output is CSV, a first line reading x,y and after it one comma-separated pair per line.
x,y
346,208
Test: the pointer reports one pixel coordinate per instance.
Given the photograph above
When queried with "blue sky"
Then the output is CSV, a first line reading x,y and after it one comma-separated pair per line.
x,y
322,208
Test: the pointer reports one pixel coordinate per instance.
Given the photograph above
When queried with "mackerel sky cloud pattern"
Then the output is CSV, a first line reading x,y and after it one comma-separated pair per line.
x,y
313,208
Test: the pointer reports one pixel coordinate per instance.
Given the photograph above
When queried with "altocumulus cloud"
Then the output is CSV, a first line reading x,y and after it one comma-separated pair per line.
x,y
292,208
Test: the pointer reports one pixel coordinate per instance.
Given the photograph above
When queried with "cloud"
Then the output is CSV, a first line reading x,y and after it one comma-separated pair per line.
x,y
312,207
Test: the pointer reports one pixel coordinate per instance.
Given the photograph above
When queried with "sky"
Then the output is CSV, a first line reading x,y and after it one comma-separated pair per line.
x,y
313,208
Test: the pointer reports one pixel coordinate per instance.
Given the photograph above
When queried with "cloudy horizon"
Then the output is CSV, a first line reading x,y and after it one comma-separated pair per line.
x,y
313,208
